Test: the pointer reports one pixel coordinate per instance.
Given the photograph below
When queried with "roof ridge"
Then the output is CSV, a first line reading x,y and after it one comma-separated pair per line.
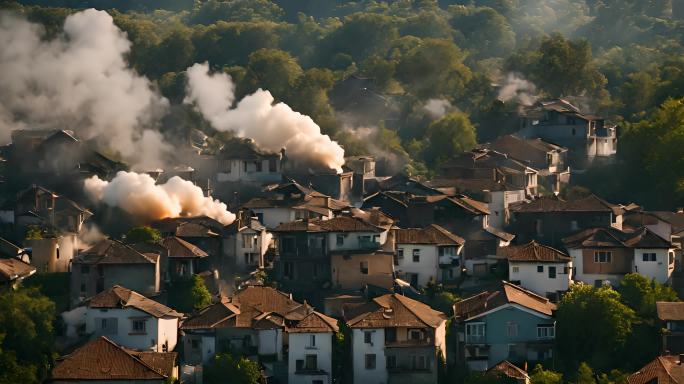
x,y
136,359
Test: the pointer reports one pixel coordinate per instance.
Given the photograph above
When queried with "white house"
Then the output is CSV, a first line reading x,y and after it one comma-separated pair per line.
x,y
310,349
132,320
396,339
247,242
428,254
539,268
602,255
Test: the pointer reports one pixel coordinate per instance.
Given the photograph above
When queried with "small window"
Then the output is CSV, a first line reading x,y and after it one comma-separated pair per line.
x,y
138,326
540,268
512,329
516,269
364,267
649,256
418,362
259,166
288,270
546,331
312,340
299,364
368,337
391,362
83,287
552,272
603,257
400,253
415,334
370,361
340,240
311,362
416,255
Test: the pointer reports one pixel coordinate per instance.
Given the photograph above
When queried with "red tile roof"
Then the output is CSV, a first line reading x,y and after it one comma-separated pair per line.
x,y
670,311
180,248
12,269
661,370
533,252
433,234
120,297
393,310
507,293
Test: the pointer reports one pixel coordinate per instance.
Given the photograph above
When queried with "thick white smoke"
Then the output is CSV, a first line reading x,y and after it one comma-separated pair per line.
x,y
272,126
517,88
78,81
139,195
436,108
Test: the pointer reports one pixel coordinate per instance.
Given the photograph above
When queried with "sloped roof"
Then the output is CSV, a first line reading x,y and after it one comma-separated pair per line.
x,y
393,310
432,234
108,251
669,310
503,235
102,359
510,370
533,252
13,268
613,237
315,322
180,248
507,293
661,370
591,203
120,297
162,362
336,224
212,316
471,205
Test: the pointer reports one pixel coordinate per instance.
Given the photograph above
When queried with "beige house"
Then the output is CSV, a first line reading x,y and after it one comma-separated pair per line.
x,y
352,270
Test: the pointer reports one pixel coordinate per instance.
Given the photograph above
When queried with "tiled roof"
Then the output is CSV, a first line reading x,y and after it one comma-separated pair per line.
x,y
661,370
668,310
109,251
465,202
507,293
455,186
336,224
315,322
101,359
213,316
393,310
510,370
613,237
162,362
533,252
433,234
180,248
12,269
591,203
499,233
120,297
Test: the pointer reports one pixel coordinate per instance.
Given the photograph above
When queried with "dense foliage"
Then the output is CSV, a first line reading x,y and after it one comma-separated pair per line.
x,y
143,235
240,370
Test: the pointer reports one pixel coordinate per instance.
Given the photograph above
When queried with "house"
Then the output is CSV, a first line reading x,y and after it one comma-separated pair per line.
x,y
509,372
548,158
550,219
103,361
363,165
663,369
430,254
488,164
247,242
289,338
13,271
109,263
183,258
396,340
506,323
481,248
341,186
588,138
671,317
602,255
202,231
353,270
292,201
539,268
241,161
132,320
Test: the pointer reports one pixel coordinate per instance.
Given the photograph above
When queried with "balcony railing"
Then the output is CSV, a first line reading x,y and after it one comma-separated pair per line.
x,y
409,343
476,339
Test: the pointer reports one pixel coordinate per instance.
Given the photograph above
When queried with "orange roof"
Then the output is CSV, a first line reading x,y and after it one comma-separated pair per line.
x,y
507,293
120,297
393,310
12,269
533,252
433,234
661,370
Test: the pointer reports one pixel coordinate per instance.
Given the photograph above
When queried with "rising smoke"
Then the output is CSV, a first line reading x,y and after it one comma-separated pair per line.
x,y
140,196
79,81
436,108
518,89
272,126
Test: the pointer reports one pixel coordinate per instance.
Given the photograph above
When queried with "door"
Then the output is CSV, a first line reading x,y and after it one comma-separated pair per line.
x,y
552,272
414,280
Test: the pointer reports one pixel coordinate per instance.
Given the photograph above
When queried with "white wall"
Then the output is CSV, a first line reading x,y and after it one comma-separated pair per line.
x,y
540,282
273,217
152,339
427,268
271,342
299,347
359,351
661,269
351,239
440,339
234,170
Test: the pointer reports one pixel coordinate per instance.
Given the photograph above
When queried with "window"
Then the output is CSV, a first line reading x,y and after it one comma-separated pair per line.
x,y
83,287
194,344
311,362
540,268
250,258
312,340
416,255
317,382
138,326
415,334
418,362
287,244
85,269
315,271
391,362
603,256
573,225
400,253
288,270
390,335
516,269
248,240
368,337
370,361
552,272
299,365
649,256
259,166
272,165
475,333
364,267
546,331
671,257
340,240
511,329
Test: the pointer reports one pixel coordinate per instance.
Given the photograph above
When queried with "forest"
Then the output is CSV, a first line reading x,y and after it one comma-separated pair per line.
x,y
415,81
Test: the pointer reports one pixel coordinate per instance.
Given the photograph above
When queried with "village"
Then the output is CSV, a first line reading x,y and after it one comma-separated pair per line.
x,y
343,276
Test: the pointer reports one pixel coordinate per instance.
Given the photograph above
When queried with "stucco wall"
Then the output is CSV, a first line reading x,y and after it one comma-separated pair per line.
x,y
300,346
157,331
359,351
540,282
426,268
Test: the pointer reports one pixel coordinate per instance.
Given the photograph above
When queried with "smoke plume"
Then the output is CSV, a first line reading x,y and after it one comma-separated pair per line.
x,y
89,235
79,81
519,89
140,196
272,126
436,108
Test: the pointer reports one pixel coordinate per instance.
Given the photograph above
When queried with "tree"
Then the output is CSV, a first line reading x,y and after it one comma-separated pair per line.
x,y
611,324
273,70
143,235
641,294
483,30
447,136
201,297
225,367
585,375
361,35
541,376
26,335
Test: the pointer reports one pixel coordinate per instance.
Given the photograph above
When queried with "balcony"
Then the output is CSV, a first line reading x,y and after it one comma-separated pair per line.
x,y
368,244
422,343
476,339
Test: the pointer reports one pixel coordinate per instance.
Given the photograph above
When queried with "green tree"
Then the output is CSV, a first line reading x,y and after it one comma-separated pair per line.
x,y
143,235
482,30
201,297
33,232
611,324
448,136
585,375
541,376
273,70
236,370
361,35
641,294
